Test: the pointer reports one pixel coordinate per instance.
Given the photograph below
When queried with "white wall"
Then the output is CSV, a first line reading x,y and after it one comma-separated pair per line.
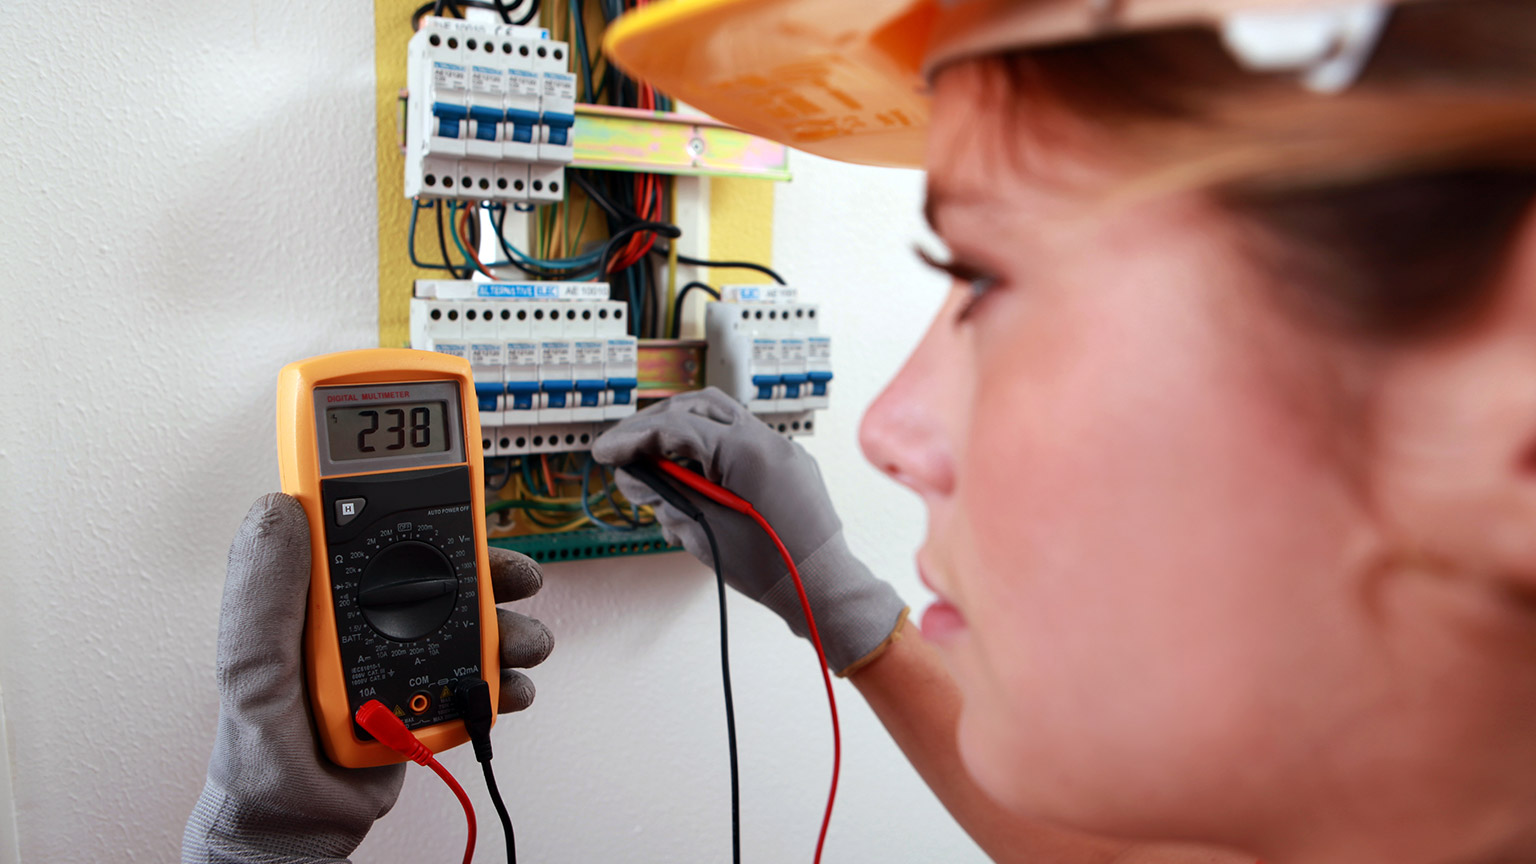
x,y
9,851
190,205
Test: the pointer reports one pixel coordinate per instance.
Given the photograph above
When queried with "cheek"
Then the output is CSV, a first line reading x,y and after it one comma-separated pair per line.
x,y
1136,499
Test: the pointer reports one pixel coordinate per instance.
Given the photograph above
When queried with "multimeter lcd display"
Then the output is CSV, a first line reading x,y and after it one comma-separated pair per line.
x,y
398,429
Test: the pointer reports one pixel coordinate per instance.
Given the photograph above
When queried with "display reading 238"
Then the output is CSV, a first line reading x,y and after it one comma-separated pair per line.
x,y
373,443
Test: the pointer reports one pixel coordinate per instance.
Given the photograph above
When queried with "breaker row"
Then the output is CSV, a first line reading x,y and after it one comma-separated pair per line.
x,y
766,350
491,113
537,363
552,354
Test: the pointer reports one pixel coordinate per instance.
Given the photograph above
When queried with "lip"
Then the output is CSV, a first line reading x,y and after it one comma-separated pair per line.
x,y
942,623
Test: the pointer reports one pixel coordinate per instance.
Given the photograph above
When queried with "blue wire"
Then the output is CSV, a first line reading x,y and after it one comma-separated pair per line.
x,y
609,487
585,259
586,506
580,21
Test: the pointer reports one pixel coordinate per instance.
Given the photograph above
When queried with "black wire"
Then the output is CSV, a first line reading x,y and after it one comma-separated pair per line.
x,y
533,11
457,7
677,305
665,229
730,706
410,244
744,265
622,235
530,269
501,811
579,20
442,243
632,293
474,227
601,198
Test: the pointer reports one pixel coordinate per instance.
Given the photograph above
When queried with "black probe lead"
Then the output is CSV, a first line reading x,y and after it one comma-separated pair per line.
x,y
648,475
473,698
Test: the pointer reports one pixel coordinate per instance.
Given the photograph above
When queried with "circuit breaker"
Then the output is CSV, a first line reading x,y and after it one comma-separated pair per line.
x,y
766,350
491,113
554,363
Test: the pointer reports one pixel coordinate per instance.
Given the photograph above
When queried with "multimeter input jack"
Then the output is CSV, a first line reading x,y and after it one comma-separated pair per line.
x,y
420,703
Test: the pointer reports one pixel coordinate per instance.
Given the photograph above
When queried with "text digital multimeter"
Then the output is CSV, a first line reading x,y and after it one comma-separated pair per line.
x,y
373,443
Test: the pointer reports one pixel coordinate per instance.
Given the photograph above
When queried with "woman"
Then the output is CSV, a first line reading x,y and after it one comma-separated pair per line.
x,y
1227,432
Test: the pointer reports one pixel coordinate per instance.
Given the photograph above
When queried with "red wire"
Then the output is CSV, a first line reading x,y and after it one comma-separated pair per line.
x,y
469,809
388,730
549,480
725,498
469,247
640,244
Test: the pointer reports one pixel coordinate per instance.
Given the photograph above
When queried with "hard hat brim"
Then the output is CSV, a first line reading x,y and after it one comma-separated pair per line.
x,y
846,79
838,79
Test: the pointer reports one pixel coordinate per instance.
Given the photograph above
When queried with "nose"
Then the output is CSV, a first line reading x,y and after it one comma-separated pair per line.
x,y
908,432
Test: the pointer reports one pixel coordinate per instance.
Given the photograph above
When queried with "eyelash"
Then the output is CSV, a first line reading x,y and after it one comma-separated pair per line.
x,y
979,282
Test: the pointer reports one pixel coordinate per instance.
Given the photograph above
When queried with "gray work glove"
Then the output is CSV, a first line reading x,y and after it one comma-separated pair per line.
x,y
272,796
856,613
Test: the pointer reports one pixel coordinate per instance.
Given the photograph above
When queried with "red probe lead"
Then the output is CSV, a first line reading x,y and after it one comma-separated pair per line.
x,y
383,725
725,498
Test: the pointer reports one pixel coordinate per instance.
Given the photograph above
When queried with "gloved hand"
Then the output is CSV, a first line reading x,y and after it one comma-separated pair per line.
x,y
856,613
272,796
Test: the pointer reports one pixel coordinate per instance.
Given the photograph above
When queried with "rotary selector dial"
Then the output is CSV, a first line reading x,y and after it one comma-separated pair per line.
x,y
408,590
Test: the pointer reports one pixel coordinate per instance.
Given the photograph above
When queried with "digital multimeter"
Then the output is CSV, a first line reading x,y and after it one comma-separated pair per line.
x,y
373,443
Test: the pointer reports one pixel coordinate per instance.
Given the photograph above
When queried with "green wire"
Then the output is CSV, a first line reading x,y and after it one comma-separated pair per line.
x,y
581,227
527,473
545,506
565,211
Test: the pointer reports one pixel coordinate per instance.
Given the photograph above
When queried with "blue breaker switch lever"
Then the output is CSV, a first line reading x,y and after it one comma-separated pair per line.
x,y
591,392
559,128
557,391
522,393
485,121
765,385
448,118
522,124
487,394
622,389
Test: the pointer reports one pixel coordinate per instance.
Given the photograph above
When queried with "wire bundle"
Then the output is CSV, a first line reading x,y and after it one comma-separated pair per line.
x,y
456,8
636,208
550,495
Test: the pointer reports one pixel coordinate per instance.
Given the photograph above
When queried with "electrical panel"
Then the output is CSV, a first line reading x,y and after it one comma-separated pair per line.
x,y
765,349
491,113
554,363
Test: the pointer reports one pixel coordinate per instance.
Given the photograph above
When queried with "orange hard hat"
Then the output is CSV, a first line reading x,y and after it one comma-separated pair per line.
x,y
847,79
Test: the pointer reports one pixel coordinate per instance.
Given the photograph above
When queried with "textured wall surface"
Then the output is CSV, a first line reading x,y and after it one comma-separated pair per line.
x,y
190,205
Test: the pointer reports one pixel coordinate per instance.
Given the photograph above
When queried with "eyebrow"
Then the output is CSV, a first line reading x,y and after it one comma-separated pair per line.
x,y
940,197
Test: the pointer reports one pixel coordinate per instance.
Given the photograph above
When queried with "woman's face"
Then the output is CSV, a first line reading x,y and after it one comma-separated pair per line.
x,y
1138,513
